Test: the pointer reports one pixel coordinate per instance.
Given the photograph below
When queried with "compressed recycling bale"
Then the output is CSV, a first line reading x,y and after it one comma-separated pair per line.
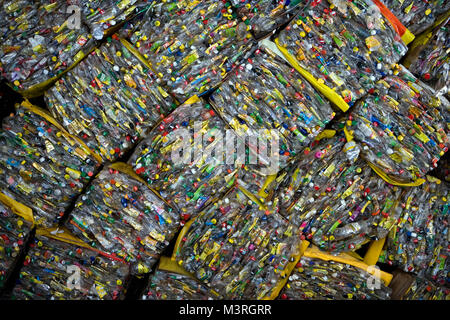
x,y
44,167
402,126
51,268
120,215
240,249
346,47
109,100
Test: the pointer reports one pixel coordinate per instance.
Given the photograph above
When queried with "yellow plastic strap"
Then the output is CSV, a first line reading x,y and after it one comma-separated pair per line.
x,y
180,238
374,251
252,197
433,179
167,264
192,100
16,207
262,193
355,255
407,37
26,104
348,135
61,234
326,134
325,90
127,169
289,268
394,181
314,252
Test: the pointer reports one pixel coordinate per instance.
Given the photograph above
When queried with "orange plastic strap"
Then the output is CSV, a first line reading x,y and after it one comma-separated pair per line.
x,y
406,35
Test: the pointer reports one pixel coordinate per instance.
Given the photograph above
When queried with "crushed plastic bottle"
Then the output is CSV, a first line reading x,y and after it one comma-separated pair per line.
x,y
239,249
265,95
433,62
55,270
347,46
316,279
14,231
415,15
43,166
265,16
419,241
192,48
120,215
402,126
109,100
